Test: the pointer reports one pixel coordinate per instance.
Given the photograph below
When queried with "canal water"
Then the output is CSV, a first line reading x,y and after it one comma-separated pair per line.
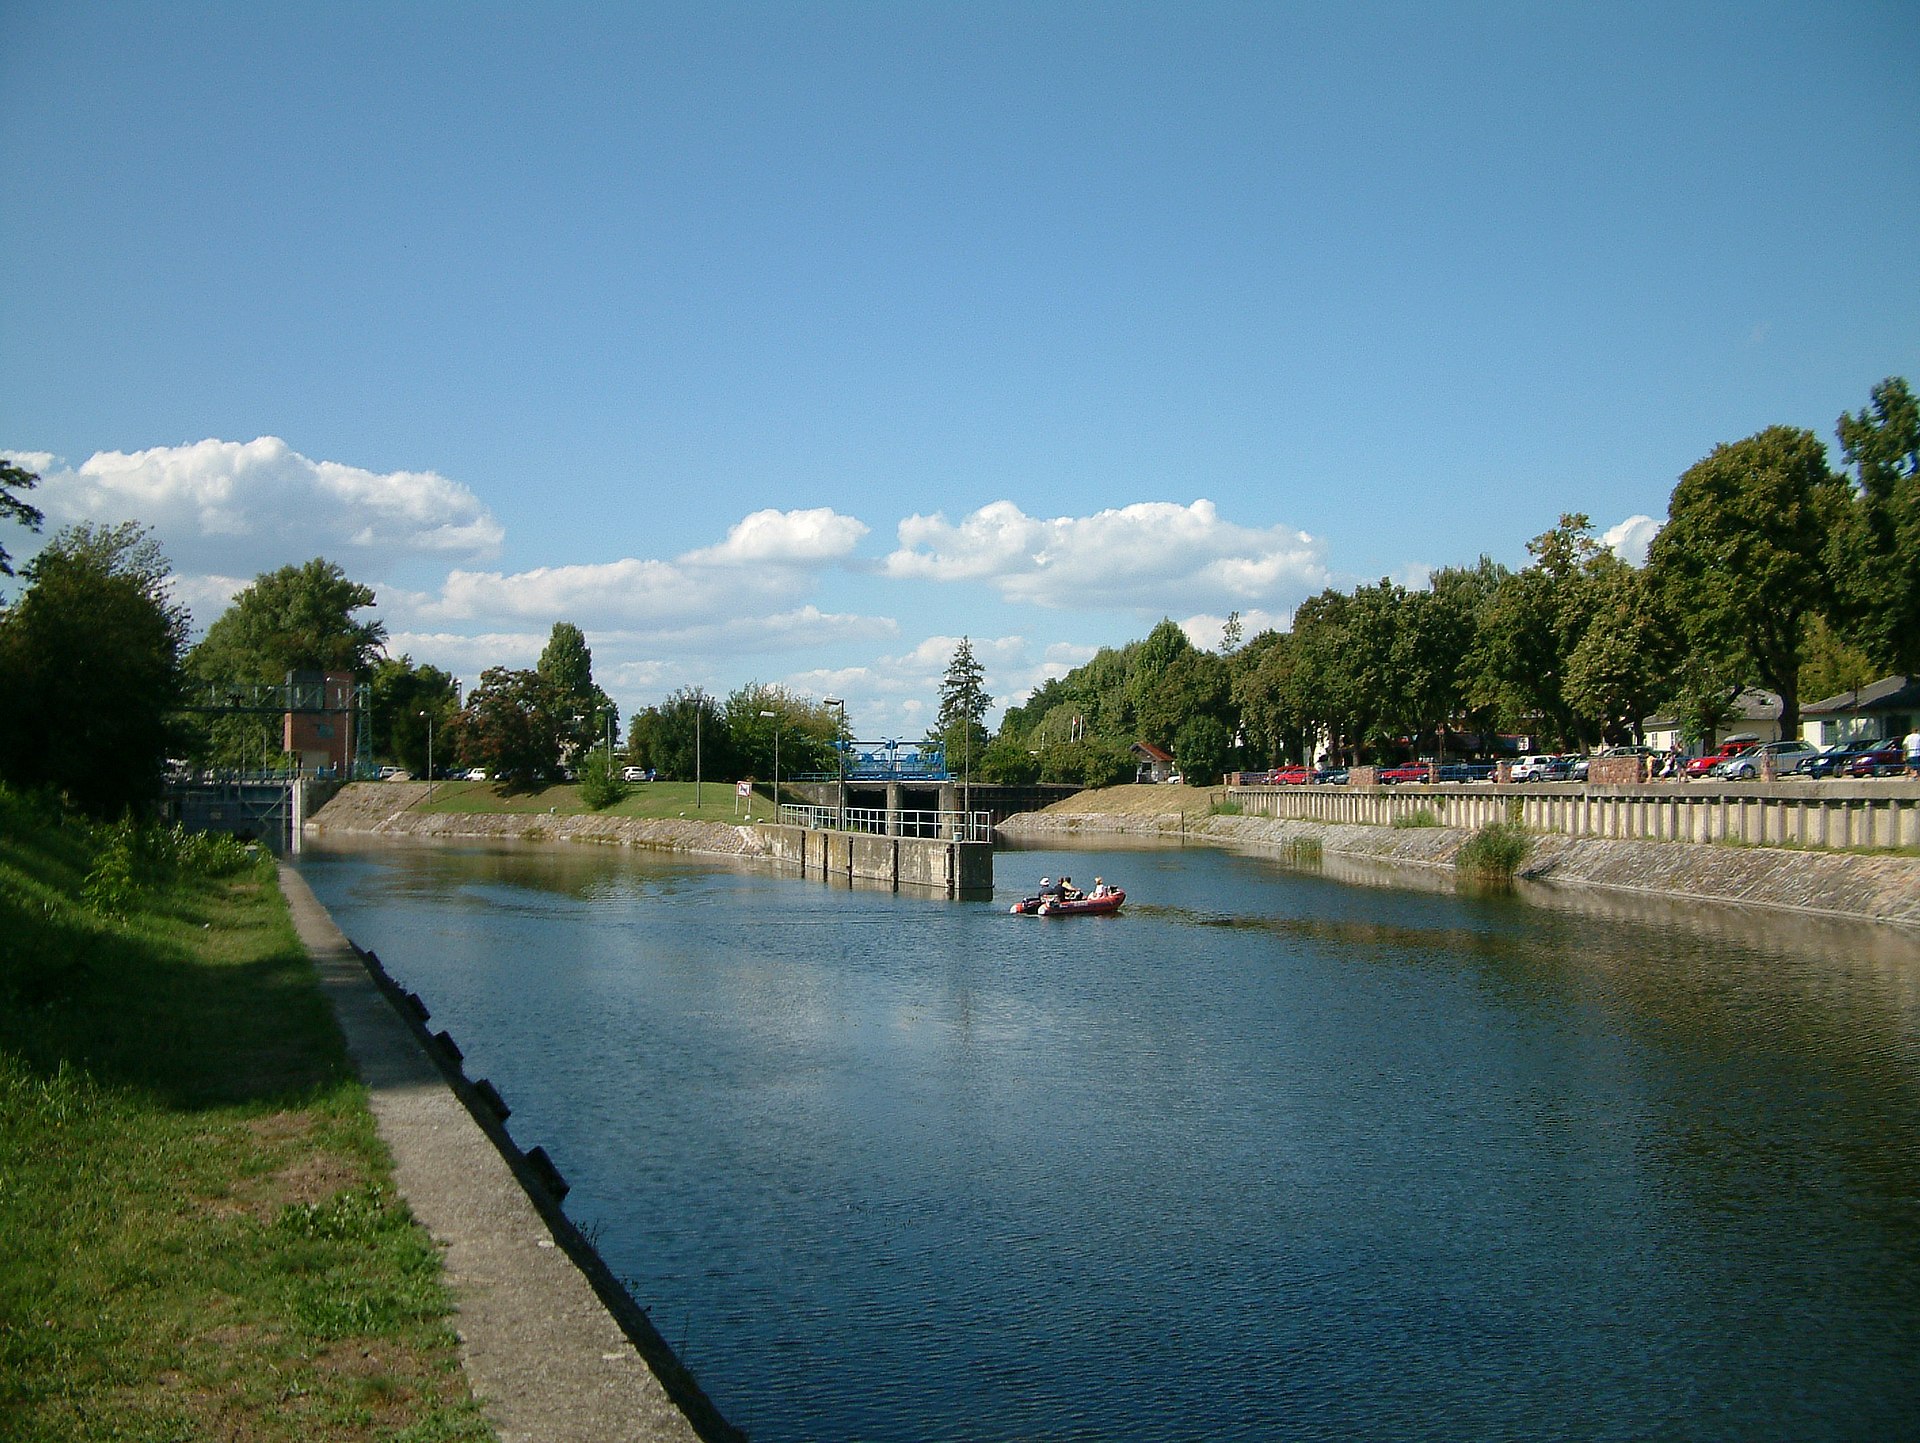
x,y
1272,1155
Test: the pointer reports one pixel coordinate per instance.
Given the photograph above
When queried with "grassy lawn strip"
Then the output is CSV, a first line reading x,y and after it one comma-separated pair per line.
x,y
716,801
201,1234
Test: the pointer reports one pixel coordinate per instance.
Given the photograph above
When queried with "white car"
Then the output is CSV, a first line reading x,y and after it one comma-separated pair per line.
x,y
633,774
1535,767
478,774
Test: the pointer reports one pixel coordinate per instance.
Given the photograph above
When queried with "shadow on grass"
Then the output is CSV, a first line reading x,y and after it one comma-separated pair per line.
x,y
130,1006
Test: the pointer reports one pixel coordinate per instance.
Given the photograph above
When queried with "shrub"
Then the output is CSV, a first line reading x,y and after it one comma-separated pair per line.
x,y
600,784
1496,850
1418,817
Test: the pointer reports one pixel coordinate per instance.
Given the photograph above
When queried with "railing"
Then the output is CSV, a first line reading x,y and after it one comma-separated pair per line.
x,y
954,826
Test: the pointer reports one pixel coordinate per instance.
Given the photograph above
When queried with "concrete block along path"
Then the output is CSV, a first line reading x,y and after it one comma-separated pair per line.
x,y
541,1350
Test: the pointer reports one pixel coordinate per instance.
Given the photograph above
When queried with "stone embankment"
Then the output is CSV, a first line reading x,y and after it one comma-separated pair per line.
x,y
1871,888
390,809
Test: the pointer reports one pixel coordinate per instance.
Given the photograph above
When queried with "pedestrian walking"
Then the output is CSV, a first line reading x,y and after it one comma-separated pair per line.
x,y
1912,745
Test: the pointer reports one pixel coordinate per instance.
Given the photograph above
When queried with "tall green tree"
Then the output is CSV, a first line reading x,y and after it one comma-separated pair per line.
x,y
583,712
1625,661
687,731
508,727
804,728
1742,561
1531,628
1874,550
13,479
90,667
299,618
404,700
963,705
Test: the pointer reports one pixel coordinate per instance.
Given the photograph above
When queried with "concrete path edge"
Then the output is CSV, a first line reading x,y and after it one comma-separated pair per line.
x,y
553,1345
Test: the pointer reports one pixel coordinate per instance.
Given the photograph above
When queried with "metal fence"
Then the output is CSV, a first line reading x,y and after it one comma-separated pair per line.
x,y
953,826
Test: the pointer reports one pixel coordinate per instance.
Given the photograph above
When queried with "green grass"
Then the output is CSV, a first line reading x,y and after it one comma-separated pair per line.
x,y
716,802
201,1235
1418,817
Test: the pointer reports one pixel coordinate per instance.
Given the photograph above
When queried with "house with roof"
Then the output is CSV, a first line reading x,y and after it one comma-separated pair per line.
x,y
1888,708
1752,716
1154,764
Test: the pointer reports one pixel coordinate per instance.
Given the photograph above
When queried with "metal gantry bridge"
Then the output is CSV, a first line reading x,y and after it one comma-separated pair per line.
x,y
886,761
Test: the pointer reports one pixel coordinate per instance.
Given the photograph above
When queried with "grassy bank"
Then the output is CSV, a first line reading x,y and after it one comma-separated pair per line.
x,y
201,1235
705,801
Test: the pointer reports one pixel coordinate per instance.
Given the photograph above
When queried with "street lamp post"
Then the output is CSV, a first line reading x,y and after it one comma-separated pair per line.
x,y
776,762
840,755
429,716
698,707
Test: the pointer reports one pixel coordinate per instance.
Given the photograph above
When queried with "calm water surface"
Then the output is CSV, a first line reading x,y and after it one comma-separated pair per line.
x,y
1271,1156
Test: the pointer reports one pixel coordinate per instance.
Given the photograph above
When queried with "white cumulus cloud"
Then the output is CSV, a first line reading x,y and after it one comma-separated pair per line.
x,y
242,507
767,565
1151,557
1631,538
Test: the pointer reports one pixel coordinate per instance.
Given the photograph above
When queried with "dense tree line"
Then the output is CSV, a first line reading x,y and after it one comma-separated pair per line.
x,y
1772,570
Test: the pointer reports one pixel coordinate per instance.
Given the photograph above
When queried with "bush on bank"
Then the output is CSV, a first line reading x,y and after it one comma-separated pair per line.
x,y
1496,850
202,1239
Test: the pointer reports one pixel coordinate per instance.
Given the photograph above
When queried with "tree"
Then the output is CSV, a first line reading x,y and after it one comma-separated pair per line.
x,y
600,782
804,728
685,732
1742,560
1624,663
1200,749
16,478
1874,553
399,694
963,703
508,727
583,712
90,667
1530,629
299,618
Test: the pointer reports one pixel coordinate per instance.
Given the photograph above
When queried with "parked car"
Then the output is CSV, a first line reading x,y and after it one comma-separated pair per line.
x,y
477,774
1330,777
1788,757
1832,761
1465,772
1542,767
636,774
1882,759
1408,772
1289,777
1731,747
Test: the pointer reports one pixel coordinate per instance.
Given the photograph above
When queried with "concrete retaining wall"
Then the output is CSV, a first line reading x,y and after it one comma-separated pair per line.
x,y
1800,814
954,869
1878,888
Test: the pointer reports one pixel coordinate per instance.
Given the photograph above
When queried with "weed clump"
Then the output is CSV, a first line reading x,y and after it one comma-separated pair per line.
x,y
1418,817
1496,850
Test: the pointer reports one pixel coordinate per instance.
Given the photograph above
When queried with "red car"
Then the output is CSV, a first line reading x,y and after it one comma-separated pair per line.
x,y
1883,759
1412,772
1289,777
1701,766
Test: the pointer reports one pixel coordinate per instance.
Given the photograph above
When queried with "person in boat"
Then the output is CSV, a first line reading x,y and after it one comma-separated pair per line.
x,y
1100,888
1050,888
1069,892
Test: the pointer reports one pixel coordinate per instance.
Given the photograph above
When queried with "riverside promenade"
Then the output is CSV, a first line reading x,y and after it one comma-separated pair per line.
x,y
542,1351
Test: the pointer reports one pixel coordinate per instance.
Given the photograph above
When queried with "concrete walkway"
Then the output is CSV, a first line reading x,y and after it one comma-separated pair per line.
x,y
542,1352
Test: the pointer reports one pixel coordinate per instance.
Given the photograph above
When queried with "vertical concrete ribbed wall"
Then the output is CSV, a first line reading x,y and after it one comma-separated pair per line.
x,y
1805,814
951,868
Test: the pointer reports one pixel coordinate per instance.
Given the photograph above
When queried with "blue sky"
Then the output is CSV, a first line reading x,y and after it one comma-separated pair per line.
x,y
792,342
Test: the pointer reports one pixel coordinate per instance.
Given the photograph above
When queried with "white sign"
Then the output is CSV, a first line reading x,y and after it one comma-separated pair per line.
x,y
743,789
